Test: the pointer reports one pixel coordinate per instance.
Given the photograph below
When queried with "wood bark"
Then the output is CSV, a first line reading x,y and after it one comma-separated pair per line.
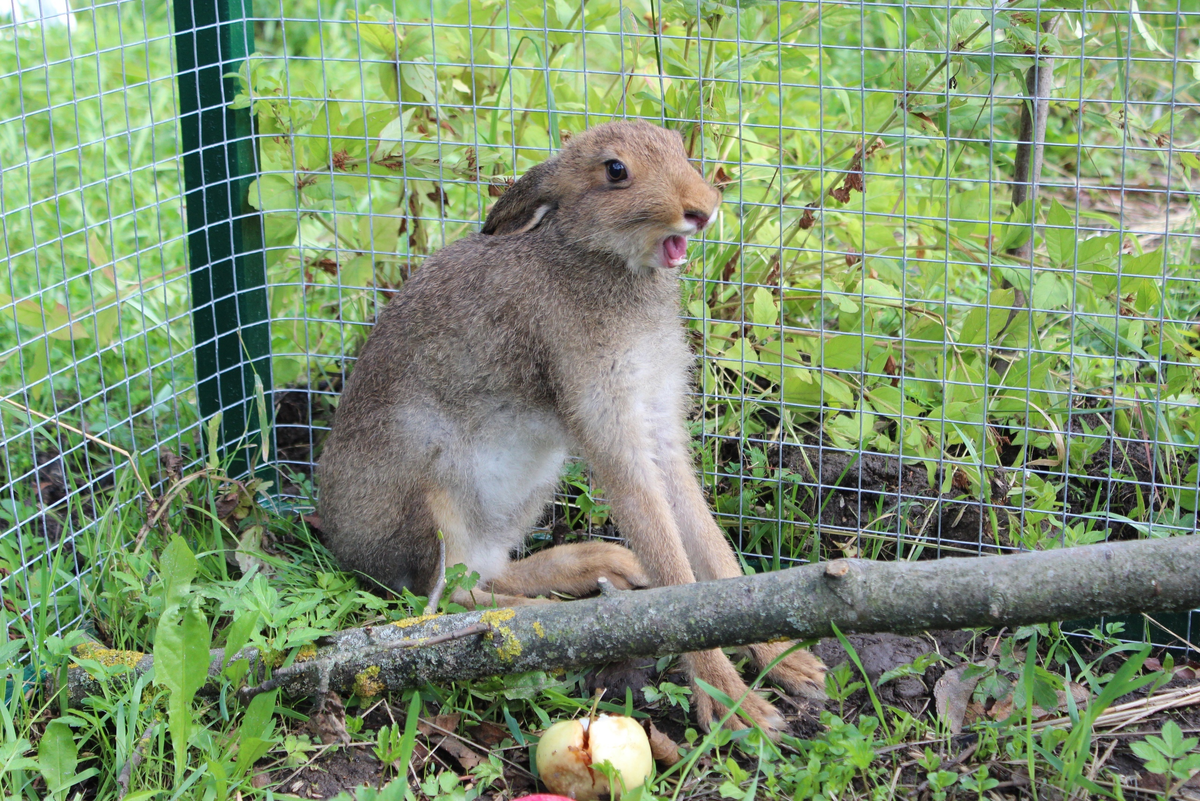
x,y
858,596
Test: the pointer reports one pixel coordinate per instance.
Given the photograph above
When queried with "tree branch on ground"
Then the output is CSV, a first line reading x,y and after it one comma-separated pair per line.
x,y
856,595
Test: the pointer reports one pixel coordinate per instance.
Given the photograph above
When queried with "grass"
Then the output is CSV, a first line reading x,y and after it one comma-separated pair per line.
x,y
1032,703
869,383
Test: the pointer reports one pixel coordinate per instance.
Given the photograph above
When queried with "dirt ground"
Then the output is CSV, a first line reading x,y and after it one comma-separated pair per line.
x,y
332,770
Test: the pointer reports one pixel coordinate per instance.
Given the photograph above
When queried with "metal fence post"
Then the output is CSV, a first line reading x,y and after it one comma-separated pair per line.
x,y
230,313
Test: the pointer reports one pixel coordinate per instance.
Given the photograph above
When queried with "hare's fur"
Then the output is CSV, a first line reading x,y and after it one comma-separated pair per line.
x,y
553,331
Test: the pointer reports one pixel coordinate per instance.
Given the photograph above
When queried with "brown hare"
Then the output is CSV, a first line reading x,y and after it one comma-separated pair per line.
x,y
555,330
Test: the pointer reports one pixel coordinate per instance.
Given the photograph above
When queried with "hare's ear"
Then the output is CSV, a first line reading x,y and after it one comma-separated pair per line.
x,y
525,203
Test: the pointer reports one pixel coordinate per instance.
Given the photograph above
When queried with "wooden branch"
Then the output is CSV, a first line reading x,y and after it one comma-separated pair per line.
x,y
1031,137
803,603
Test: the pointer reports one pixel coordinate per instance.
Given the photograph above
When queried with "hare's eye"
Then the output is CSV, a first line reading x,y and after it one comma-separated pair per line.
x,y
616,171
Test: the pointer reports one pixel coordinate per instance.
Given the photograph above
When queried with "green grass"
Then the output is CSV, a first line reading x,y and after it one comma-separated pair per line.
x,y
871,323
187,585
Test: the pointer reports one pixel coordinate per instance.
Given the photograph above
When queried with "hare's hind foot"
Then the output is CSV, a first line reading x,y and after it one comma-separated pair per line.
x,y
715,669
800,673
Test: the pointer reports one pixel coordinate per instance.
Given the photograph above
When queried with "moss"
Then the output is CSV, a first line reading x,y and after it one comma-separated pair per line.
x,y
109,657
409,622
495,616
508,646
272,658
367,683
306,653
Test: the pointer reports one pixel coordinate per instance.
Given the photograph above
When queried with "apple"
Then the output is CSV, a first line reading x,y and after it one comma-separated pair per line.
x,y
569,749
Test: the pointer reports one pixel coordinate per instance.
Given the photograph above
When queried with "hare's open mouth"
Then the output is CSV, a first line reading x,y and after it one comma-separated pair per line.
x,y
673,251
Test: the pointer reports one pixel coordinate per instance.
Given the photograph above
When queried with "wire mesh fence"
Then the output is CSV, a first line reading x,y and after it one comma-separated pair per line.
x,y
949,306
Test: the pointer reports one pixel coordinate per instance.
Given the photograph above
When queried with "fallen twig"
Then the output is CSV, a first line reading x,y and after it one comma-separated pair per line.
x,y
856,595
135,759
1122,715
324,667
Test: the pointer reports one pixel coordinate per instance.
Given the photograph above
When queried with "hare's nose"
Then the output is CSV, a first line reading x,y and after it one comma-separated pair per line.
x,y
696,218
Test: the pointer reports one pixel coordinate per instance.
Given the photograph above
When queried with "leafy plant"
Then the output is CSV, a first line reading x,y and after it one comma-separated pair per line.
x,y
673,694
1171,755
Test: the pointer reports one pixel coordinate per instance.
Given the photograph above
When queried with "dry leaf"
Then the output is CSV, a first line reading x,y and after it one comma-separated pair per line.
x,y
438,725
489,734
329,724
227,504
951,695
662,748
440,732
250,545
1003,709
172,463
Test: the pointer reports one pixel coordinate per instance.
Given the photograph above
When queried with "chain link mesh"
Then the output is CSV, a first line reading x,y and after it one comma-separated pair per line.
x,y
949,306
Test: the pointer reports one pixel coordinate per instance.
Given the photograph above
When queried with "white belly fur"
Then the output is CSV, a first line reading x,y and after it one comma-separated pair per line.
x,y
494,484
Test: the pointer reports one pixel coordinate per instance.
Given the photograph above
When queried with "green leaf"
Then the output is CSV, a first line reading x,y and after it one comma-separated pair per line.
x,y
418,42
178,566
1155,761
1016,229
320,131
259,715
844,302
836,392
764,313
879,293
181,653
888,401
739,354
845,352
1050,292
1077,748
389,80
57,756
409,739
419,78
370,30
273,193
853,428
11,757
181,665
239,633
801,386
1148,265
1176,746
987,321
220,777
1060,234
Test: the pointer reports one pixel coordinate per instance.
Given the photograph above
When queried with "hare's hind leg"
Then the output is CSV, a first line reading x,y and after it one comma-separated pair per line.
x,y
572,569
712,557
398,550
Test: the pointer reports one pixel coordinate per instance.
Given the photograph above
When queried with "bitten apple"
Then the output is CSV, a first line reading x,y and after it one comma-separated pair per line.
x,y
569,749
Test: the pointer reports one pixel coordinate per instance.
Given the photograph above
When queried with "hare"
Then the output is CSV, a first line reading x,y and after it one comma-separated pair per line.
x,y
554,330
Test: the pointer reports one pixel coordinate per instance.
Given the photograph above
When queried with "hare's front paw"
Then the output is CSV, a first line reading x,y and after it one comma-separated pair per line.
x,y
585,563
715,668
622,569
800,673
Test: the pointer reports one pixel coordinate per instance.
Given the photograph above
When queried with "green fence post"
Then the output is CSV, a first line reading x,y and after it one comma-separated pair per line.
x,y
230,314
